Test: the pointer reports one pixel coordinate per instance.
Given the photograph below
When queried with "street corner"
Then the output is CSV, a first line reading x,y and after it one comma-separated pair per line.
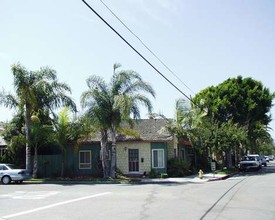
x,y
216,177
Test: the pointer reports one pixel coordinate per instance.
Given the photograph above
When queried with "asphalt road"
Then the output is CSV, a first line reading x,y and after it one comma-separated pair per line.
x,y
249,195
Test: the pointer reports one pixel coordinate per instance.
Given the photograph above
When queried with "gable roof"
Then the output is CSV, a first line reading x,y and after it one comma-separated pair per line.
x,y
148,129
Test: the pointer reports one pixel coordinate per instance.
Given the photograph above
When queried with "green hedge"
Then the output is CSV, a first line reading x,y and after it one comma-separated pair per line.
x,y
178,168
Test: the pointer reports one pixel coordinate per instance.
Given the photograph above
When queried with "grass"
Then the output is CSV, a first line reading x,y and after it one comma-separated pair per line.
x,y
226,171
86,179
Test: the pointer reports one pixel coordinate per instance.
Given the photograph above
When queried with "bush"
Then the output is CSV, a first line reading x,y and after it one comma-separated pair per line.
x,y
178,168
153,174
163,175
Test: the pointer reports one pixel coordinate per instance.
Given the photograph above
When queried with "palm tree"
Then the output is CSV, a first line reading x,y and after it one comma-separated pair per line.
x,y
187,123
40,135
39,90
110,104
62,134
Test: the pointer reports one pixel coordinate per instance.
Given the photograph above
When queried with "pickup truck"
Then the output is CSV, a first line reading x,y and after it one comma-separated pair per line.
x,y
250,162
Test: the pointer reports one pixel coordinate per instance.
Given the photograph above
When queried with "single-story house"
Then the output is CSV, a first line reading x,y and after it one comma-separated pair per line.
x,y
3,146
149,151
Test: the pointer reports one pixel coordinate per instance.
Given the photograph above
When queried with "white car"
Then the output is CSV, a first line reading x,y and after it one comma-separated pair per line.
x,y
263,160
271,157
250,162
266,158
8,173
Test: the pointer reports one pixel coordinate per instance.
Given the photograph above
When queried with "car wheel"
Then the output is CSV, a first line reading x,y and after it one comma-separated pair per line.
x,y
265,164
6,180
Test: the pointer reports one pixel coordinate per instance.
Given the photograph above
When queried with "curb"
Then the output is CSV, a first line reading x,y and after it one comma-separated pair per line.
x,y
153,181
224,177
219,178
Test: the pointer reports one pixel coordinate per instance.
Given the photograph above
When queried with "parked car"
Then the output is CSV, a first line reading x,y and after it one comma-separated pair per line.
x,y
266,158
9,172
250,162
271,157
263,160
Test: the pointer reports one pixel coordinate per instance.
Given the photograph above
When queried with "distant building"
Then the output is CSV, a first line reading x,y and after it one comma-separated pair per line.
x,y
3,144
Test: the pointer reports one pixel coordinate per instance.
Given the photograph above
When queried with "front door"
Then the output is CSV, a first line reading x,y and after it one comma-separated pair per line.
x,y
133,157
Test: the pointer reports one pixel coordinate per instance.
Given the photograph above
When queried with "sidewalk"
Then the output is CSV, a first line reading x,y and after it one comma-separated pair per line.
x,y
188,179
176,180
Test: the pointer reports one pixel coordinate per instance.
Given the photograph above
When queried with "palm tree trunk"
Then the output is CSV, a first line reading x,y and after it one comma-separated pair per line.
x,y
35,162
104,154
28,137
113,159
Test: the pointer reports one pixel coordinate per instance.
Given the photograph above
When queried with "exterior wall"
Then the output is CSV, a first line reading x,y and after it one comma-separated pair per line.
x,y
144,152
171,149
72,161
50,165
175,142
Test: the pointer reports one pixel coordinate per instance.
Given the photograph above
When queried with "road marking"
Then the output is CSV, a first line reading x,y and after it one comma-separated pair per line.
x,y
29,195
54,205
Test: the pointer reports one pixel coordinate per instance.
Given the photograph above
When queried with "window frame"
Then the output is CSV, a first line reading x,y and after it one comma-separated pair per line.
x,y
158,157
90,158
2,151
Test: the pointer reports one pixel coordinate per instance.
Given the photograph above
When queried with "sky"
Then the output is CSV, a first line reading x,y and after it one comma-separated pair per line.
x,y
202,42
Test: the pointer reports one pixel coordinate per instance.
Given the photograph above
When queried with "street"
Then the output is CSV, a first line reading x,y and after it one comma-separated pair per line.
x,y
248,195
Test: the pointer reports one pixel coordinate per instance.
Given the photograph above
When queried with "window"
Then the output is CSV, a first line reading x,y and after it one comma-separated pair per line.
x,y
2,151
158,158
85,159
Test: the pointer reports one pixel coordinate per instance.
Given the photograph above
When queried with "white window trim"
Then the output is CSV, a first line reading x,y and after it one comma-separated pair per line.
x,y
90,164
162,158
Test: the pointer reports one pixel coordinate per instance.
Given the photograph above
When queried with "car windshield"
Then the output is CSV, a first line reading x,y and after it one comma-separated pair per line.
x,y
249,158
11,166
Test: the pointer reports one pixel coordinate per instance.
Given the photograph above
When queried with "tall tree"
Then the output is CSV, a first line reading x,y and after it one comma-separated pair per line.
x,y
110,104
62,134
205,133
242,100
33,91
187,124
231,138
40,135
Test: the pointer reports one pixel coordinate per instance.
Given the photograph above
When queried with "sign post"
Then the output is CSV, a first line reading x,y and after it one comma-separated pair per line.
x,y
213,168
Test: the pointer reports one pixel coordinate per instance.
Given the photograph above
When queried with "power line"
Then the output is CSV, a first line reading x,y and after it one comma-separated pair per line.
x,y
145,46
135,50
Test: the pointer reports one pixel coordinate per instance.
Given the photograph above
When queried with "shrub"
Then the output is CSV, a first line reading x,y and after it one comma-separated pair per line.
x,y
178,168
153,174
163,175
